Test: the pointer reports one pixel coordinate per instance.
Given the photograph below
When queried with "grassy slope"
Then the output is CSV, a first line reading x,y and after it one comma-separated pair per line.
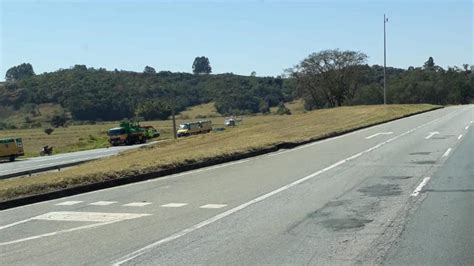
x,y
203,110
254,133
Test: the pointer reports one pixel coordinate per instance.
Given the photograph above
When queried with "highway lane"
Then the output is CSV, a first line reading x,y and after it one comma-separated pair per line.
x,y
31,164
442,229
342,200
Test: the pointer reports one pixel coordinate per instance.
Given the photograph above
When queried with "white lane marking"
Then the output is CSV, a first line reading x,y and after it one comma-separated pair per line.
x,y
432,134
222,215
102,203
15,223
377,134
174,205
447,153
69,203
420,187
213,206
466,128
136,204
55,233
105,218
460,136
87,216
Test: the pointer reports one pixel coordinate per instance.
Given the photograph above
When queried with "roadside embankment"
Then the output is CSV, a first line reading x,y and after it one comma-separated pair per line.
x,y
255,136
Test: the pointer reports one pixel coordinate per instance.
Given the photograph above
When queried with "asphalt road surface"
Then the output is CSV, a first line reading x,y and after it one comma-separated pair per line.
x,y
31,164
396,193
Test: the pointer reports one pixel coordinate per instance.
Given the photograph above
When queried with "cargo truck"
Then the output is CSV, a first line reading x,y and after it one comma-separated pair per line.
x,y
11,148
127,133
194,128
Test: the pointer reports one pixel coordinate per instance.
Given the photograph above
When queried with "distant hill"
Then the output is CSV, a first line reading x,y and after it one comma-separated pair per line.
x,y
98,94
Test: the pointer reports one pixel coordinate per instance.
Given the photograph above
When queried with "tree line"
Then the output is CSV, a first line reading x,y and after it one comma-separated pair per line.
x,y
333,78
324,79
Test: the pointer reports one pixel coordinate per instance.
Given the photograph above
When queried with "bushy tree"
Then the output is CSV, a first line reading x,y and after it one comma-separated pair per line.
x,y
149,70
19,72
150,110
201,65
59,119
330,77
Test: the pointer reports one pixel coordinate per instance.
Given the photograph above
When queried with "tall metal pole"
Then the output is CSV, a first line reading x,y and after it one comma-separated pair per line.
x,y
384,62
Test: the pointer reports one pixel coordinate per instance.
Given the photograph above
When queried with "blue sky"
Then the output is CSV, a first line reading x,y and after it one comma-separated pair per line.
x,y
237,36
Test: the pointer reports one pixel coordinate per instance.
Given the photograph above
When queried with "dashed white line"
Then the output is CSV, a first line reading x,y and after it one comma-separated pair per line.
x,y
87,216
213,206
380,133
459,137
136,204
447,153
102,203
69,203
466,128
420,187
174,205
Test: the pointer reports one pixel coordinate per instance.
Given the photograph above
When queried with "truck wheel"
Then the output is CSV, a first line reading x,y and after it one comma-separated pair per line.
x,y
12,158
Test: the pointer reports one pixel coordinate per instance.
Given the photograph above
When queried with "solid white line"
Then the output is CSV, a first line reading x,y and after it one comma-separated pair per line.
x,y
381,133
420,187
15,223
220,216
460,136
56,233
447,152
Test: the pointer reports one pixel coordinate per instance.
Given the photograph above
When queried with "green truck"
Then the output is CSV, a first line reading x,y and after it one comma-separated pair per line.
x,y
128,133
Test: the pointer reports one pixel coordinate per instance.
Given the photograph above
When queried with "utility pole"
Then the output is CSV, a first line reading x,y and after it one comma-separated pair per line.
x,y
173,115
385,20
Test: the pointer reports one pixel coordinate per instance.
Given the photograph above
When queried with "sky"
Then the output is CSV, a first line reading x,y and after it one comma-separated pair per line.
x,y
237,36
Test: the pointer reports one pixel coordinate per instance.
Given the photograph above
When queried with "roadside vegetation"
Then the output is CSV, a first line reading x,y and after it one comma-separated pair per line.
x,y
323,79
253,134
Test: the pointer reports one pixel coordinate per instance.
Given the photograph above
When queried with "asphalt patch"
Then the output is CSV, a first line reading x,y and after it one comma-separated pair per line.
x,y
380,190
425,162
421,153
336,203
397,177
338,224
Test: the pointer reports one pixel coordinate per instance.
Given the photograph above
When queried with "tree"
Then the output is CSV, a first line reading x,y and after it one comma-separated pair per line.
x,y
19,72
48,131
283,110
149,70
153,110
429,65
330,77
201,65
59,119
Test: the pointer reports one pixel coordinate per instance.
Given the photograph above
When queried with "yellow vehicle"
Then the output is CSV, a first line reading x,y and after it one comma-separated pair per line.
x,y
11,148
194,128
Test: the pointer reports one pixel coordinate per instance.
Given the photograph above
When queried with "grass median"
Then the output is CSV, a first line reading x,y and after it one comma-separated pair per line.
x,y
253,134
